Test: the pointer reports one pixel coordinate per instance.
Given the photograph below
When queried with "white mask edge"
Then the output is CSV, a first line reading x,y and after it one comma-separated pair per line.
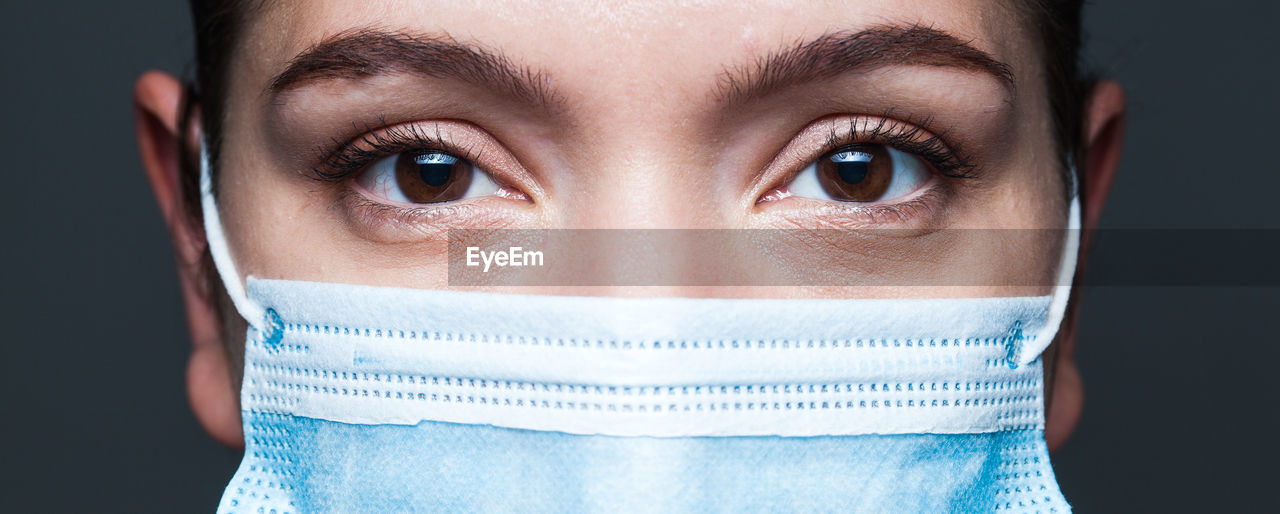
x,y
252,313
1063,285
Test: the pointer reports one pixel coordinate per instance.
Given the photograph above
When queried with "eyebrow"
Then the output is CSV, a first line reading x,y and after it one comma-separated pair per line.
x,y
835,53
367,52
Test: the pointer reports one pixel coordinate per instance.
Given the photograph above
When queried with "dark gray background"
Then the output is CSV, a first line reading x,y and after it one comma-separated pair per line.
x,y
1180,414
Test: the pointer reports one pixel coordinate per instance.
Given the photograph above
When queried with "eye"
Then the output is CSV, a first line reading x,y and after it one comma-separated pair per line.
x,y
426,176
861,173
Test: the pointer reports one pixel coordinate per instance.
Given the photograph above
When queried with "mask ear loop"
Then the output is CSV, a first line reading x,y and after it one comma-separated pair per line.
x,y
258,317
1030,349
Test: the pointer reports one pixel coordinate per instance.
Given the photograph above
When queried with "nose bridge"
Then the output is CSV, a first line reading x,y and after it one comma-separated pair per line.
x,y
637,174
641,169
641,156
644,174
638,146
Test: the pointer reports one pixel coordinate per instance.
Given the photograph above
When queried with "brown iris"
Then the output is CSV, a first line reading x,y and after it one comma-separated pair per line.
x,y
859,173
432,177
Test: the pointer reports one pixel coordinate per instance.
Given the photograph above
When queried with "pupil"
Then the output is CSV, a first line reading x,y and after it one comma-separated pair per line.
x,y
432,177
859,174
435,174
852,172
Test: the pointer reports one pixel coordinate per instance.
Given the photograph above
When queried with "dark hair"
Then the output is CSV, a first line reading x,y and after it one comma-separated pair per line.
x,y
1060,31
218,24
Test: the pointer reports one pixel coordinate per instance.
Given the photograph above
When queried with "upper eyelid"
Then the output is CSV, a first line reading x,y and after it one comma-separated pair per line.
x,y
342,155
840,130
917,135
344,159
341,159
887,129
485,151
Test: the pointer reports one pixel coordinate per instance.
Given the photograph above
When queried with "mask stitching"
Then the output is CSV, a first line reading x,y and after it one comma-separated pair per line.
x,y
274,333
652,390
1013,344
1010,402
734,393
1020,475
1008,419
660,344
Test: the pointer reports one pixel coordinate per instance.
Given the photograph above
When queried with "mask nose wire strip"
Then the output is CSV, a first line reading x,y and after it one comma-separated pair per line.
x,y
251,312
1062,289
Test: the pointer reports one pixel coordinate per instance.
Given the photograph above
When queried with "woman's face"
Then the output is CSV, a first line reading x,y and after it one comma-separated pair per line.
x,y
356,137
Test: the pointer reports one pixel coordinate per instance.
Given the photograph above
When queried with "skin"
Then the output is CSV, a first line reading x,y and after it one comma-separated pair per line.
x,y
640,136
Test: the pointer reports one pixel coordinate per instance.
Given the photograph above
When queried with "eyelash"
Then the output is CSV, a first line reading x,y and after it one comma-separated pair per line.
x,y
905,135
341,160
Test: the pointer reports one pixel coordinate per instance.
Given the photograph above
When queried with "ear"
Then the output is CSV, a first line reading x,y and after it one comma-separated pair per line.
x,y
1104,136
158,103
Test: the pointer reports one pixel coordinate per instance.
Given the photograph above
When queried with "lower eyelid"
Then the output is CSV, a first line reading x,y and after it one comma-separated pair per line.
x,y
924,207
388,223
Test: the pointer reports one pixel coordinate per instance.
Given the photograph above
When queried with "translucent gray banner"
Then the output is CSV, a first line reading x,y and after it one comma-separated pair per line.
x,y
858,258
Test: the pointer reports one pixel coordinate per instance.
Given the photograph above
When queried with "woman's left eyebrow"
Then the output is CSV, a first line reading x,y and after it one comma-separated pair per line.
x,y
836,53
366,52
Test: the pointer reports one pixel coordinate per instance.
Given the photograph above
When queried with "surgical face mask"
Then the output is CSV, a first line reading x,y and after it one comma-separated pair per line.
x,y
359,399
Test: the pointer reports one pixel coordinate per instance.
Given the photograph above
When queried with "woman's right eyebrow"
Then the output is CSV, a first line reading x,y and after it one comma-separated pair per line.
x,y
366,52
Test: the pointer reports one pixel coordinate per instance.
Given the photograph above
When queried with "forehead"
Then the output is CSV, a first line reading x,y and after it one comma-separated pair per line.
x,y
583,42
